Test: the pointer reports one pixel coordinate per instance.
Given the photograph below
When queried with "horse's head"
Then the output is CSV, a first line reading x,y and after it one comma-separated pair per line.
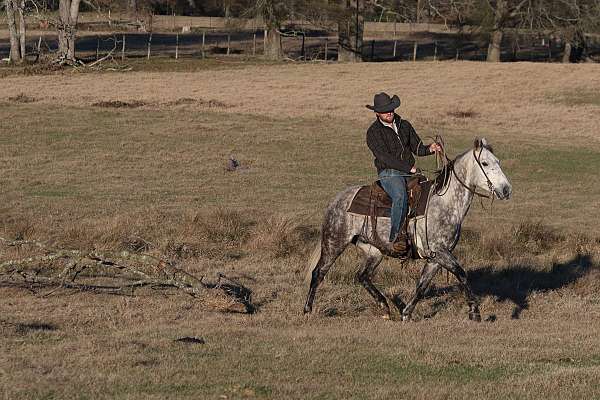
x,y
486,172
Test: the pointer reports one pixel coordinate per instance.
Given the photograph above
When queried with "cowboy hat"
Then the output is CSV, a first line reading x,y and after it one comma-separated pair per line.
x,y
382,103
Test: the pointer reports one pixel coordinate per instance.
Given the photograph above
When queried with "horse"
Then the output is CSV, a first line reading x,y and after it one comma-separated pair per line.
x,y
475,172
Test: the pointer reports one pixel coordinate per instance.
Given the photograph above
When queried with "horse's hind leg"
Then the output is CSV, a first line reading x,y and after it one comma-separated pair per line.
x,y
372,258
427,275
329,253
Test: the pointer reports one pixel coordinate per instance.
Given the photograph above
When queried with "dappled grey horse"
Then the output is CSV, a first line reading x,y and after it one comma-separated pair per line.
x,y
475,172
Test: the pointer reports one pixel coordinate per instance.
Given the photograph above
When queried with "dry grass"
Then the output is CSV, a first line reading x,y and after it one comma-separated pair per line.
x,y
152,179
508,107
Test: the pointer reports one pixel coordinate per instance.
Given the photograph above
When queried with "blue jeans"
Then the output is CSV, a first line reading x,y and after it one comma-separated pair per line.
x,y
394,184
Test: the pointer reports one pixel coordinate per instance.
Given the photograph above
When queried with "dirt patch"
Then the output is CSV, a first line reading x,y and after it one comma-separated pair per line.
x,y
213,104
21,98
120,104
462,114
181,102
201,102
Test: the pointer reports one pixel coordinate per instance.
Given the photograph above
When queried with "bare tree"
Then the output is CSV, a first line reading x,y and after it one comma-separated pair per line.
x,y
68,13
273,13
22,27
15,12
350,31
569,20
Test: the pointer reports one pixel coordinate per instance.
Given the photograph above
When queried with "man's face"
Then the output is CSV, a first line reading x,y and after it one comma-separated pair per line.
x,y
386,117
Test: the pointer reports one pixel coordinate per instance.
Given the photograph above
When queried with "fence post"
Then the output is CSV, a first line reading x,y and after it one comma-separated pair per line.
x,y
254,44
228,42
415,52
177,46
203,40
372,49
303,53
265,42
149,44
395,42
97,48
435,51
326,43
457,54
123,49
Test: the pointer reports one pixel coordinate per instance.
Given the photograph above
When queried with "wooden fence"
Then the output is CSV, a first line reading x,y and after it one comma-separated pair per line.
x,y
178,23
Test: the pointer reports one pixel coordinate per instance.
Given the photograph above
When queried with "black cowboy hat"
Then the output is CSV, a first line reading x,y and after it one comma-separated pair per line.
x,y
382,103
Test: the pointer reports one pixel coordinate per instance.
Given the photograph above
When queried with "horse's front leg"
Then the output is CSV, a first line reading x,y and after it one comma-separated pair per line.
x,y
450,262
429,271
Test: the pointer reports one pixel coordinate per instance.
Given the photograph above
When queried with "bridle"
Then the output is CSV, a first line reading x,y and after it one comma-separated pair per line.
x,y
473,189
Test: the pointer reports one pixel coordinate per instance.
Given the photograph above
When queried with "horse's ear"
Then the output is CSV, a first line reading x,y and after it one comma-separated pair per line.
x,y
479,143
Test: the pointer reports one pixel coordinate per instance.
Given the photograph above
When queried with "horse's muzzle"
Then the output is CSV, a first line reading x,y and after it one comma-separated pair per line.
x,y
504,192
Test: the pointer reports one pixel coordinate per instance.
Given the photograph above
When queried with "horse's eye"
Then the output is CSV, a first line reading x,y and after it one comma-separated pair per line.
x,y
485,164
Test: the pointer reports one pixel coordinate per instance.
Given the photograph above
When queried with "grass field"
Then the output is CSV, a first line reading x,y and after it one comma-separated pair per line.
x,y
110,160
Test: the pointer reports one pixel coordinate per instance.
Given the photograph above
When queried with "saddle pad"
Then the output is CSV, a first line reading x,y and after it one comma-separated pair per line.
x,y
361,204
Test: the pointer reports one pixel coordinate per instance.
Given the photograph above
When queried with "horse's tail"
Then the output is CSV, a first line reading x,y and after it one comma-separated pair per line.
x,y
312,262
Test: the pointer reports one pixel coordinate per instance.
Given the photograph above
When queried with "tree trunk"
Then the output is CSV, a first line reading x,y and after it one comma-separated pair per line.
x,y
350,33
226,10
67,28
273,49
494,48
500,16
566,58
22,27
15,54
132,10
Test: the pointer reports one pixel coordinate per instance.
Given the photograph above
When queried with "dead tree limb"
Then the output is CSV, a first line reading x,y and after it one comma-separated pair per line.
x,y
75,269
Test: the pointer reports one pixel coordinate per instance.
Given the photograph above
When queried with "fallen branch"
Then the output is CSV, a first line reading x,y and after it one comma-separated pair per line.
x,y
128,271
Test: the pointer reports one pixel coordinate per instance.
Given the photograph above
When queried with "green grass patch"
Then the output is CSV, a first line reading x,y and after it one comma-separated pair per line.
x,y
176,159
580,97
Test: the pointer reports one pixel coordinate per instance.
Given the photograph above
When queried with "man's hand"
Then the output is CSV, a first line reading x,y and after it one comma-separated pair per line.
x,y
413,170
434,147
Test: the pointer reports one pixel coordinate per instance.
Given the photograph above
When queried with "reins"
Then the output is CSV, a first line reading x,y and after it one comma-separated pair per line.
x,y
448,164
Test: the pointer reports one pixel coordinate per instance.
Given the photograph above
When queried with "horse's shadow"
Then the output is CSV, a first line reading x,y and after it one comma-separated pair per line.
x,y
517,282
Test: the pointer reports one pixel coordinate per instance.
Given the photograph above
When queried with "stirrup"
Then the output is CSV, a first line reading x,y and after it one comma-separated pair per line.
x,y
400,248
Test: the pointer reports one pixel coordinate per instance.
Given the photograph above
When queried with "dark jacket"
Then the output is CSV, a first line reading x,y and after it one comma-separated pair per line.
x,y
393,151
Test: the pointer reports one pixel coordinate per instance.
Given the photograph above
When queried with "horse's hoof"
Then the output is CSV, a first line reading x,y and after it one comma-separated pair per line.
x,y
307,310
405,318
475,317
386,317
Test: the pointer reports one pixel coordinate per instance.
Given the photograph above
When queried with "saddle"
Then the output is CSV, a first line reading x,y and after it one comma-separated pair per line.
x,y
372,200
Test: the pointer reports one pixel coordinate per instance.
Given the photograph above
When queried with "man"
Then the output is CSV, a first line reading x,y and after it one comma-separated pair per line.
x,y
393,142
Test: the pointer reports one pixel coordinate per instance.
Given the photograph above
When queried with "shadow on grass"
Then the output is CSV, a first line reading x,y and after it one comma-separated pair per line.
x,y
516,283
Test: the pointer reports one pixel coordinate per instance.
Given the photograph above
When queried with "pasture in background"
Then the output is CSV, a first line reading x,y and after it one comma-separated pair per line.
x,y
127,162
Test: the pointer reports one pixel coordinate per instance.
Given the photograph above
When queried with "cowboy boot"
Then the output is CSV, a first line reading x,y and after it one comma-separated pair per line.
x,y
400,245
